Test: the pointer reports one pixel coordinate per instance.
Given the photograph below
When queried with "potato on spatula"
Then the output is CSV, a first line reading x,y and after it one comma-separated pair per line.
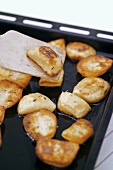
x,y
47,59
13,50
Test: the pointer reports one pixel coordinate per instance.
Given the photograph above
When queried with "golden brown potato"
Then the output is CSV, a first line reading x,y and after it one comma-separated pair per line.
x,y
55,152
79,50
40,124
50,82
10,93
34,102
47,59
2,114
0,137
73,105
92,89
94,66
79,132
58,43
21,79
47,82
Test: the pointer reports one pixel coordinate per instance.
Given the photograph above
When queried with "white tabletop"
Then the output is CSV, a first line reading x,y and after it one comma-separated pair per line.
x,y
96,14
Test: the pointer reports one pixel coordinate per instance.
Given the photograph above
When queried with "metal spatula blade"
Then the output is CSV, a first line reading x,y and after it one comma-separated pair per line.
x,y
13,49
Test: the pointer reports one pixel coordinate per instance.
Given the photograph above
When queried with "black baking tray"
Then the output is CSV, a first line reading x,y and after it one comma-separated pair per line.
x,y
18,150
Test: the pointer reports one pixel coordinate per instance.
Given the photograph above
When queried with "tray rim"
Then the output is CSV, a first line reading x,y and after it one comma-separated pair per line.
x,y
56,25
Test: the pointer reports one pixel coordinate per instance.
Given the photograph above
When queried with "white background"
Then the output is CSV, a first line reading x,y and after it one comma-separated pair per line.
x,y
89,13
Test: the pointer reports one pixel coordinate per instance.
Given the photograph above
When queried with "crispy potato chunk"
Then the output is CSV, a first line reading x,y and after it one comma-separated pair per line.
x,y
2,114
72,105
79,50
58,43
40,124
34,102
79,132
47,59
94,66
50,82
47,82
21,79
55,152
10,93
0,137
92,89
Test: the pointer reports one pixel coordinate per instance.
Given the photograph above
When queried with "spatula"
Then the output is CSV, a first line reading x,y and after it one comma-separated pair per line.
x,y
13,48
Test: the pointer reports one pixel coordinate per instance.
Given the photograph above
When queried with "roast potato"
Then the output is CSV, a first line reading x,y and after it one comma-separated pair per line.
x,y
47,59
10,93
58,43
92,89
79,50
2,114
34,102
50,82
79,132
73,105
21,79
40,124
55,152
94,66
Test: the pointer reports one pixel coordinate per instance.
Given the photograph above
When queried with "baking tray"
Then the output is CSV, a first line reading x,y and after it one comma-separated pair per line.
x,y
18,150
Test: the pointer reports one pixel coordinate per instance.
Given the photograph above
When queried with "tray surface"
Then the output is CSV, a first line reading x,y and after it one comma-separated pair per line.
x,y
18,150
